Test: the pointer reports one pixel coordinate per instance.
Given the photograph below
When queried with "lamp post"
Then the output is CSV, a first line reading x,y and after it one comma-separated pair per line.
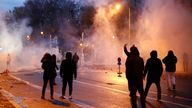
x,y
82,47
129,21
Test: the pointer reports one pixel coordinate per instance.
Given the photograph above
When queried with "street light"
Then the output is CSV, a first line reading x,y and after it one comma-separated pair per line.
x,y
82,47
129,37
42,33
28,37
117,6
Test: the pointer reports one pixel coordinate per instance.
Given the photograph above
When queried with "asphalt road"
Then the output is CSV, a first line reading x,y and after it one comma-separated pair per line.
x,y
103,89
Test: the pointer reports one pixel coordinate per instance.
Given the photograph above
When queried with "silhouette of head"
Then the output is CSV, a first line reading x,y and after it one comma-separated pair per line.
x,y
53,57
134,51
68,55
170,53
153,54
46,56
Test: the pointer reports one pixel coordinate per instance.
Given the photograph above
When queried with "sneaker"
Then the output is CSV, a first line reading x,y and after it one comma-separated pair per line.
x,y
174,87
62,97
70,97
169,89
52,98
42,97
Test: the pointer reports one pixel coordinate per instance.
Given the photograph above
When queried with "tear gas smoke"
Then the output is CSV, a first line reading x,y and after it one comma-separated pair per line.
x,y
22,57
165,25
162,25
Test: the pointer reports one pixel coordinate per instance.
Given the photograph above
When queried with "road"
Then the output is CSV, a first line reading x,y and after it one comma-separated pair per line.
x,y
103,89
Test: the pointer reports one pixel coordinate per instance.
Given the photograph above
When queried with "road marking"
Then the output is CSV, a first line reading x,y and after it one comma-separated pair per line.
x,y
76,102
124,92
177,97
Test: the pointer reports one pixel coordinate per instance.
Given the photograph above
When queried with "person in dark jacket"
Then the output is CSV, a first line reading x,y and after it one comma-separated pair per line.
x,y
76,58
48,74
154,70
134,75
170,66
55,67
68,71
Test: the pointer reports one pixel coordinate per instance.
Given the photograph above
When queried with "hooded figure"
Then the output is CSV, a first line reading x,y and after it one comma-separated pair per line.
x,y
134,75
170,66
68,71
48,74
153,69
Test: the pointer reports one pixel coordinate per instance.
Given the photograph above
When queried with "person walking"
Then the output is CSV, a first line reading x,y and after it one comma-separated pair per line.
x,y
75,58
48,74
68,71
55,68
153,70
134,74
170,66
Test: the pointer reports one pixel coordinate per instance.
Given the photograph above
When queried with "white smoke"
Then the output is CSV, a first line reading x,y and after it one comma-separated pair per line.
x,y
165,25
12,39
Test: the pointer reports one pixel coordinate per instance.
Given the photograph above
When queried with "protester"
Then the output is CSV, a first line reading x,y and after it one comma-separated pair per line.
x,y
68,71
48,74
153,69
55,68
170,66
75,58
134,75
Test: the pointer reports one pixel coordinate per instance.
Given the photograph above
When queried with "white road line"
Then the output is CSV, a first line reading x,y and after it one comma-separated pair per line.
x,y
78,103
124,92
177,97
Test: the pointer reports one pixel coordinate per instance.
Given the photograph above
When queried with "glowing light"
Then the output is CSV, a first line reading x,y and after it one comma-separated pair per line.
x,y
113,37
1,48
115,9
81,44
42,33
118,6
28,37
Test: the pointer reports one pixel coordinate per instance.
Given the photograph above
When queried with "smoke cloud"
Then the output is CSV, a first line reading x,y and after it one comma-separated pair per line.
x,y
165,25
12,39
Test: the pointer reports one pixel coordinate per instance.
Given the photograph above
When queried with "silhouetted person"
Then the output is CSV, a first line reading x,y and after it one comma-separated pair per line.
x,y
170,66
55,67
126,52
185,62
134,75
76,58
154,70
44,57
48,75
68,71
8,63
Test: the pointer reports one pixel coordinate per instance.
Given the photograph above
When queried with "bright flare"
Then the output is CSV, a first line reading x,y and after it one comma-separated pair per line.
x,y
118,6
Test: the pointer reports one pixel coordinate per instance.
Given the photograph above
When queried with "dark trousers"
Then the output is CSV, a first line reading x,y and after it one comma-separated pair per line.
x,y
135,85
45,81
70,84
148,85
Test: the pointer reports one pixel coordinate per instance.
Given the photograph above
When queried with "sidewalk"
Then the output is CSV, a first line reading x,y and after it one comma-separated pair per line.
x,y
18,94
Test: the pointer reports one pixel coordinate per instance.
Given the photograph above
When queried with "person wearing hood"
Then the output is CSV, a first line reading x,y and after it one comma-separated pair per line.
x,y
68,71
134,74
153,70
170,66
